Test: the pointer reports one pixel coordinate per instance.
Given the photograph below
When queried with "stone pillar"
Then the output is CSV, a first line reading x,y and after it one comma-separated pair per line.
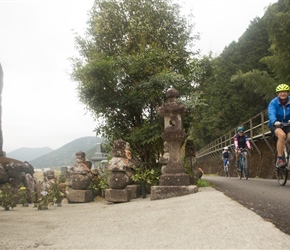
x,y
173,181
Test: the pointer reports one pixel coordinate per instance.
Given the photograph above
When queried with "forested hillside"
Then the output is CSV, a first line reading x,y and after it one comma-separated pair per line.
x,y
241,81
28,154
65,155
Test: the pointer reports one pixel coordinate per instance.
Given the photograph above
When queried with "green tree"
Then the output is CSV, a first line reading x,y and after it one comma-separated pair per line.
x,y
278,26
132,53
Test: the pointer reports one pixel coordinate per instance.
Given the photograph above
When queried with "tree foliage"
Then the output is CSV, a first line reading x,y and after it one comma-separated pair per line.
x,y
132,53
135,50
237,86
278,26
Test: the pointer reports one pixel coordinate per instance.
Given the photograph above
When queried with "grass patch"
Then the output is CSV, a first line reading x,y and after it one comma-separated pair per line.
x,y
203,183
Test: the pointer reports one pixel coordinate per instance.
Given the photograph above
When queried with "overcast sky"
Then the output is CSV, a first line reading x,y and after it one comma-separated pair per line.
x,y
39,102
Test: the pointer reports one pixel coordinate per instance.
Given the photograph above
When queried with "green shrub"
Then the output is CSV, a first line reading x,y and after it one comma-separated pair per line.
x,y
203,183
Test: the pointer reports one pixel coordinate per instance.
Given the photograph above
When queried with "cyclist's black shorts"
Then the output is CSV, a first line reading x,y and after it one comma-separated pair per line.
x,y
286,129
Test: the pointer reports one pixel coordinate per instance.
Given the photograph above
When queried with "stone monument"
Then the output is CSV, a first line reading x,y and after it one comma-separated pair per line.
x,y
98,157
79,179
173,181
48,179
121,168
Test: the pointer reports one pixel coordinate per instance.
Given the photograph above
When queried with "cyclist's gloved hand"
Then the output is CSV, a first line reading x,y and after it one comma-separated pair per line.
x,y
277,124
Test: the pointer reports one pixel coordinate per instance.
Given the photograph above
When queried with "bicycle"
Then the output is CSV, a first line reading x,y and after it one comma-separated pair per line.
x,y
227,168
282,172
243,170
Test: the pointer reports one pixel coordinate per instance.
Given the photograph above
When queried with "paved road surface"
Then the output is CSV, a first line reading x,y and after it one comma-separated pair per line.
x,y
205,220
263,196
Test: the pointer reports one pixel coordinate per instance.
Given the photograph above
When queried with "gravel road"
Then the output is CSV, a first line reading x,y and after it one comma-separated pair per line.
x,y
205,220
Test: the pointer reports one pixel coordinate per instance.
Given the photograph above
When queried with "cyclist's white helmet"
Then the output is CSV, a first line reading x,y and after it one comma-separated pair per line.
x,y
226,148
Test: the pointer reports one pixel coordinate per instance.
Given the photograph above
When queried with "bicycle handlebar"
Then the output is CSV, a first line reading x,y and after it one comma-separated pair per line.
x,y
282,124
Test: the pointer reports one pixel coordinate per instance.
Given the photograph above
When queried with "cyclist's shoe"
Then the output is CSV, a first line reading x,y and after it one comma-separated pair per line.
x,y
238,169
280,164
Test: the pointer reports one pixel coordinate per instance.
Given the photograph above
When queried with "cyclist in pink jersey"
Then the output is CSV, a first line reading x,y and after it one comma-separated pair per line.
x,y
241,141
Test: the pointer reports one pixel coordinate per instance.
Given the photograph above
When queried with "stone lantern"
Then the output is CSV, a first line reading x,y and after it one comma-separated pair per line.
x,y
173,181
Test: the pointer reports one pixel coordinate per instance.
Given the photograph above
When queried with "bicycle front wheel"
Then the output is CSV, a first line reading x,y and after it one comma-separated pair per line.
x,y
282,172
282,175
229,174
241,172
246,169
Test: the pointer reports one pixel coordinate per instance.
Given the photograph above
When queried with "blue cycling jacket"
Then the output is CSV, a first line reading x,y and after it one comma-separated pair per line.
x,y
278,112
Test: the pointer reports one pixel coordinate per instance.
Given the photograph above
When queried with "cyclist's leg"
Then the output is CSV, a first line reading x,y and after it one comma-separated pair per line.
x,y
240,167
238,155
246,160
281,137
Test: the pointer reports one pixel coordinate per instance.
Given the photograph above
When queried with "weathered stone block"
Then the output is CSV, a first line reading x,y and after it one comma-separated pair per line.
x,y
135,191
164,192
175,180
63,171
117,195
79,196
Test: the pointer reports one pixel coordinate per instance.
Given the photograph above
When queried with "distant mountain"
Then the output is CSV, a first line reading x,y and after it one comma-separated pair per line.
x,y
28,154
65,155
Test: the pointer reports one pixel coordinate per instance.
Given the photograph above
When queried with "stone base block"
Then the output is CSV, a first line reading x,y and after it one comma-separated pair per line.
x,y
135,191
80,196
174,180
117,195
165,192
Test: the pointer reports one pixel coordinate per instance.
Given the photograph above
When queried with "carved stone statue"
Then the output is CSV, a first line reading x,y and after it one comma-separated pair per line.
x,y
80,174
122,168
48,178
121,165
79,180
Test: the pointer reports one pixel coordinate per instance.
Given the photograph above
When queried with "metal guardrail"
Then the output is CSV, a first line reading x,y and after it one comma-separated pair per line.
x,y
256,128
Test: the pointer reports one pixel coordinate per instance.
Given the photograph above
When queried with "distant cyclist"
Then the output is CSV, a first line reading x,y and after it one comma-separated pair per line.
x,y
279,112
241,141
226,156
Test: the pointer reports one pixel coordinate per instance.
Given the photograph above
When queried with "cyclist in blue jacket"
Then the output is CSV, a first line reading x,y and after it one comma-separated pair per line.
x,y
279,112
